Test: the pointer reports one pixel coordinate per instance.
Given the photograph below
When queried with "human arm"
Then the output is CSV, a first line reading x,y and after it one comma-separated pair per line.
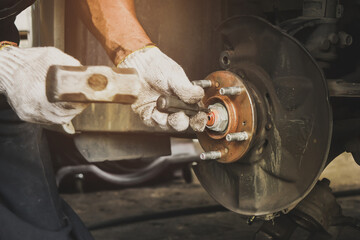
x,y
115,25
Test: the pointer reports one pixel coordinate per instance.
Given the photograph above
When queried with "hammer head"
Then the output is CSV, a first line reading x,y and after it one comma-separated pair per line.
x,y
89,84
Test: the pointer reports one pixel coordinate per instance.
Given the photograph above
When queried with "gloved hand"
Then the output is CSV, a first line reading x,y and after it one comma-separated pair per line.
x,y
22,79
161,75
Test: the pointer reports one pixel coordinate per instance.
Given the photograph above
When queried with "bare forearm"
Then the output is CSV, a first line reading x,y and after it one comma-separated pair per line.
x,y
114,24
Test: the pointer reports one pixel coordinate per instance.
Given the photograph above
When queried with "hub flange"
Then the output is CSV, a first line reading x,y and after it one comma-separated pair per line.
x,y
241,117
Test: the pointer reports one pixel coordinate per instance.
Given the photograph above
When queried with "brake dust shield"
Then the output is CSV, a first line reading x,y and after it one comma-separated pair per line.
x,y
292,121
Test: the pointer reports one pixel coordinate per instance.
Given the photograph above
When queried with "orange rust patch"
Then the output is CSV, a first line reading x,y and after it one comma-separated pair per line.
x,y
240,108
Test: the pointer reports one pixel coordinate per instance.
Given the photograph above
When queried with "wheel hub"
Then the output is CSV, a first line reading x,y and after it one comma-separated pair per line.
x,y
239,115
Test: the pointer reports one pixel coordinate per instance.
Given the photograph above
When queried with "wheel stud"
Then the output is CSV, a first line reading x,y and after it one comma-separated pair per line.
x,y
239,137
203,83
230,91
213,155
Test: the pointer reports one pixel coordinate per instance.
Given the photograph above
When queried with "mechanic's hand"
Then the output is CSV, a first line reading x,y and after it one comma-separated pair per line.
x,y
161,75
22,79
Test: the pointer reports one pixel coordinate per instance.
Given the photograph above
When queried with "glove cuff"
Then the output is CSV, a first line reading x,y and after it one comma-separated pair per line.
x,y
143,49
7,43
147,61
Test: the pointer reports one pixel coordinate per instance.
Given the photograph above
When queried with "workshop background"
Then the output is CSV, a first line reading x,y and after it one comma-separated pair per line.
x,y
129,181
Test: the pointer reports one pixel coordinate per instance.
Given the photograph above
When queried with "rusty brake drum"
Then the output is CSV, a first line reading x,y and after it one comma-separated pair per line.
x,y
283,108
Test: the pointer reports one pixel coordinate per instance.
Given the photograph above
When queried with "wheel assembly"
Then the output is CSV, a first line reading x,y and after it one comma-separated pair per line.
x,y
270,123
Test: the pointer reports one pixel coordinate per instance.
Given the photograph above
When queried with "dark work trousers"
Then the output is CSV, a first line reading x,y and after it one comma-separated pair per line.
x,y
30,206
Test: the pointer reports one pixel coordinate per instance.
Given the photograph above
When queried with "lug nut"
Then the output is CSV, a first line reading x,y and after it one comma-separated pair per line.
x,y
230,91
213,155
218,118
240,136
202,83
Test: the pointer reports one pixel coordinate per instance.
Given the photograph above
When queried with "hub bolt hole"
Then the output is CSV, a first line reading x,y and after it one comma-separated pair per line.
x,y
226,60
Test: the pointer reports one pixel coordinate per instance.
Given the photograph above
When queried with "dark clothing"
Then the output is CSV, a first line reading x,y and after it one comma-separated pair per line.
x,y
8,11
8,30
30,206
13,7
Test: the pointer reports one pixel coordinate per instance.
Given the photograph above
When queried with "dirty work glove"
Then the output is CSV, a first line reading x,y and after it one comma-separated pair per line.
x,y
161,75
22,80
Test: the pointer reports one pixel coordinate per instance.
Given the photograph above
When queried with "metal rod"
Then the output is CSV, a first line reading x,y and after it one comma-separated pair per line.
x,y
213,155
240,136
202,83
230,91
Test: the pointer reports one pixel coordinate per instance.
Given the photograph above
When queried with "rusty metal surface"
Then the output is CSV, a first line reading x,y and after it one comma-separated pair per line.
x,y
242,117
341,88
294,122
111,118
48,20
97,147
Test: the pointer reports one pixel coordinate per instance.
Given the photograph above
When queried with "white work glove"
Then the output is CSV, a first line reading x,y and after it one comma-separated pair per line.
x,y
22,80
161,75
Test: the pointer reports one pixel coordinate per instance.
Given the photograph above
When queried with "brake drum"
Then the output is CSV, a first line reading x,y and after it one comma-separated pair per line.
x,y
283,110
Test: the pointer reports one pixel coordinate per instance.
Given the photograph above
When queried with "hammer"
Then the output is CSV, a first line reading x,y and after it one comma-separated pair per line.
x,y
92,84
